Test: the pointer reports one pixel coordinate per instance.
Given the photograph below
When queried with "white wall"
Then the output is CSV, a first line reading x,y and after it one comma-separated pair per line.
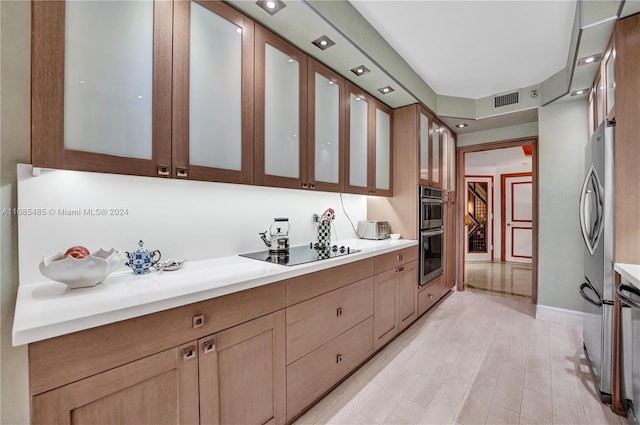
x,y
183,219
561,146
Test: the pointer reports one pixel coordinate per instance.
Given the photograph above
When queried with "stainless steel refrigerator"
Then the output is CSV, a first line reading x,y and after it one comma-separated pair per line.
x,y
596,222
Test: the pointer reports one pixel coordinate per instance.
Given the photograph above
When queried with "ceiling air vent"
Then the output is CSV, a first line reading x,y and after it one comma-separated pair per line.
x,y
505,99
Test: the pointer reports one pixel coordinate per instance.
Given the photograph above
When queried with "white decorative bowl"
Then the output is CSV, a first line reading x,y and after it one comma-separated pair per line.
x,y
83,272
395,236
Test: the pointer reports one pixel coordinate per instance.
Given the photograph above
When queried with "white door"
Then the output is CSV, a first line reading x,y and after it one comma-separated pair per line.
x,y
518,201
478,218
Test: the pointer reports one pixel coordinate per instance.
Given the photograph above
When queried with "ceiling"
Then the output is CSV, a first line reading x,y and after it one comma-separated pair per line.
x,y
475,49
506,157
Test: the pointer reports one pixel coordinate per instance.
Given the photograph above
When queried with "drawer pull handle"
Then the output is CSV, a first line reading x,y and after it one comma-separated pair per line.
x,y
339,312
189,353
198,321
209,346
339,358
400,269
430,296
163,170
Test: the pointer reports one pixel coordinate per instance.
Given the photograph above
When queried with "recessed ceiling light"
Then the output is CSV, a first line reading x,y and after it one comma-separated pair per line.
x,y
579,92
360,70
462,125
271,6
323,42
385,90
590,59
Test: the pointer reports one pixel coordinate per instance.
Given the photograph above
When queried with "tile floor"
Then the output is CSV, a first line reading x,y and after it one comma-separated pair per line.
x,y
475,358
505,278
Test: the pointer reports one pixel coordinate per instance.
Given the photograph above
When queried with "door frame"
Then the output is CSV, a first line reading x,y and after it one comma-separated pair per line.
x,y
490,235
461,151
503,211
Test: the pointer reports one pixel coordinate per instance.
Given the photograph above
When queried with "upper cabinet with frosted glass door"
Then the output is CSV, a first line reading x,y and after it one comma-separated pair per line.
x,y
280,151
368,147
101,86
213,54
430,150
326,127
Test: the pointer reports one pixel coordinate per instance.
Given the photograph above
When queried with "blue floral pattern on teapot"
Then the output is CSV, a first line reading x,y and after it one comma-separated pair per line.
x,y
141,260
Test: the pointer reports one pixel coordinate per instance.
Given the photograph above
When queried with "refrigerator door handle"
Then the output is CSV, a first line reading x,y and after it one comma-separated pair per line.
x,y
590,196
625,298
583,294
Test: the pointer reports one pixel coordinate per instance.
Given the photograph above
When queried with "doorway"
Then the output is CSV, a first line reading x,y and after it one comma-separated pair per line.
x,y
497,217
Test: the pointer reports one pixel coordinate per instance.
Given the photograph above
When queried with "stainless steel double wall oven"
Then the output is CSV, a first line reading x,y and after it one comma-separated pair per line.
x,y
431,233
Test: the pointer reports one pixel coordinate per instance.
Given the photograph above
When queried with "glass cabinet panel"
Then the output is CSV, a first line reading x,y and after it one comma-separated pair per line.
x,y
327,130
611,81
424,147
445,160
358,157
435,154
215,93
108,77
282,106
383,150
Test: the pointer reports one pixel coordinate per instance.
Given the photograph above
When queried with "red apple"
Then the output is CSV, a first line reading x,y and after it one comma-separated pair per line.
x,y
77,252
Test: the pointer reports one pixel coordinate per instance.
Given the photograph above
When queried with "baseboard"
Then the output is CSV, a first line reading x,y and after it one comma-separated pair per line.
x,y
559,315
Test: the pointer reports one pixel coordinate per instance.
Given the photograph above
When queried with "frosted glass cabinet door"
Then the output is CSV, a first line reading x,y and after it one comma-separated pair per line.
x,y
358,143
425,165
213,80
383,152
436,172
326,122
101,86
280,112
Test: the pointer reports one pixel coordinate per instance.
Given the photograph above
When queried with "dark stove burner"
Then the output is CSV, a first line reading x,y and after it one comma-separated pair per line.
x,y
303,254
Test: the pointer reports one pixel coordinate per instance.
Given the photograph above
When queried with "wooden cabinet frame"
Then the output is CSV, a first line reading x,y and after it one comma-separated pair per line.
x,y
180,107
313,68
264,37
372,105
47,97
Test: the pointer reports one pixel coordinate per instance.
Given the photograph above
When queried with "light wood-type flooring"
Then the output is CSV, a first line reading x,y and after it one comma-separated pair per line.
x,y
504,278
475,358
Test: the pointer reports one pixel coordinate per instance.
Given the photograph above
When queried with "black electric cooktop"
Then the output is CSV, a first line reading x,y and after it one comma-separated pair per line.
x,y
303,254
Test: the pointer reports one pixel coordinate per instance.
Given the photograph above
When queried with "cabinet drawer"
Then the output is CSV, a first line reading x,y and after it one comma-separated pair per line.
x,y
312,375
313,284
429,295
392,259
314,322
57,361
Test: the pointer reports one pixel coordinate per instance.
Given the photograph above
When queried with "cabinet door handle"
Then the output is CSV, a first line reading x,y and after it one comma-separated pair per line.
x,y
209,346
339,358
399,257
339,312
181,172
198,321
312,185
189,353
430,296
163,170
304,185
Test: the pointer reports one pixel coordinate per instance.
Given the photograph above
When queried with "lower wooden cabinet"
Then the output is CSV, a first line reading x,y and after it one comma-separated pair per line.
x,y
407,293
395,301
159,389
314,374
429,295
243,375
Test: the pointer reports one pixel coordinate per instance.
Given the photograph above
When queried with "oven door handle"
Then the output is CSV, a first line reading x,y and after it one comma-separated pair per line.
x,y
433,232
625,299
432,201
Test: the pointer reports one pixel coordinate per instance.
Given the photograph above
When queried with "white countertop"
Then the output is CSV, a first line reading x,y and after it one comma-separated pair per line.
x,y
631,272
49,309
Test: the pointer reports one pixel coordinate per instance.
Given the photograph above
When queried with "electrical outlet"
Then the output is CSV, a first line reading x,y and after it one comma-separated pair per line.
x,y
315,218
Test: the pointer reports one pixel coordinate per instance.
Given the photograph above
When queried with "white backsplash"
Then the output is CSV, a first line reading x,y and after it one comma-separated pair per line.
x,y
183,219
